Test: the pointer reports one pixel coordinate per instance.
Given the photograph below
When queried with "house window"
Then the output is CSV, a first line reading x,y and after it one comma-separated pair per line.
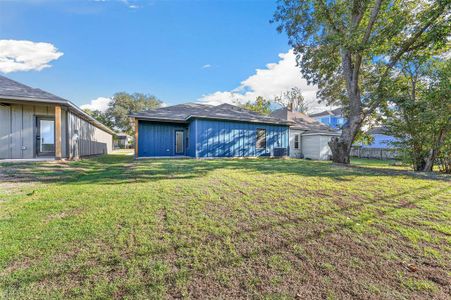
x,y
261,139
296,141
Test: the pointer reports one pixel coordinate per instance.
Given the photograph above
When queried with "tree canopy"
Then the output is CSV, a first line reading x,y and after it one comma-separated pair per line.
x,y
121,106
261,106
293,99
349,48
420,114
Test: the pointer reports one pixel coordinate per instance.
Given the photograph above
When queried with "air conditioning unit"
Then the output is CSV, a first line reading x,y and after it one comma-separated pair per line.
x,y
280,152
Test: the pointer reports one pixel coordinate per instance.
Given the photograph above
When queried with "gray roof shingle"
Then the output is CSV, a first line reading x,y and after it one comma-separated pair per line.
x,y
303,122
183,112
333,112
10,88
378,130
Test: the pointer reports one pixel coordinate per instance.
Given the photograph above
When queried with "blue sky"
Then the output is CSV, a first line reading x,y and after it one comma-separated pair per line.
x,y
179,51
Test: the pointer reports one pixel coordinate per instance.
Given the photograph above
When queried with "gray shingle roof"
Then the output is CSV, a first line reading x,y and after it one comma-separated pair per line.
x,y
333,112
378,130
183,112
303,122
10,88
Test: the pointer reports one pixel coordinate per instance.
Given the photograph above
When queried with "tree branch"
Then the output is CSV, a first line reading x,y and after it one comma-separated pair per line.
x,y
329,17
369,28
357,12
373,18
407,46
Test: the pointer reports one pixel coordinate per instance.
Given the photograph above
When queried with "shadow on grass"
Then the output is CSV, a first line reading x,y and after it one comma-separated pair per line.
x,y
122,169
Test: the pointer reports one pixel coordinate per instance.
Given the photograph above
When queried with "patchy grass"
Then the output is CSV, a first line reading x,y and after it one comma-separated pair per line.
x,y
111,227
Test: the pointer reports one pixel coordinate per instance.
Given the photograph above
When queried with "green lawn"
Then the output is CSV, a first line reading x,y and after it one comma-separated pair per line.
x,y
112,227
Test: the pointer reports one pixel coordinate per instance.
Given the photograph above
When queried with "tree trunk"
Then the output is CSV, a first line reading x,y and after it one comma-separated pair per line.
x,y
340,152
341,146
430,159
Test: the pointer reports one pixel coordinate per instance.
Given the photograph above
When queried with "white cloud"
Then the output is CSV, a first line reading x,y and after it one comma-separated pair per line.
x,y
18,55
129,4
206,66
269,83
100,103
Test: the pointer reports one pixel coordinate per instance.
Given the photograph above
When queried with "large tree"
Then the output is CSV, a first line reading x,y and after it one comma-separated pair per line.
x,y
100,116
348,48
121,106
421,114
292,99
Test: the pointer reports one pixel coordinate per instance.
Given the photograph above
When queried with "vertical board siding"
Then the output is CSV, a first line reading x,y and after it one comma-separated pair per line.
x,y
158,139
91,141
18,132
28,129
191,149
5,131
217,138
17,129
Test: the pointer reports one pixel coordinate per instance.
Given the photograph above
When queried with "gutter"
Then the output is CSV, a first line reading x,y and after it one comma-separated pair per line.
x,y
287,123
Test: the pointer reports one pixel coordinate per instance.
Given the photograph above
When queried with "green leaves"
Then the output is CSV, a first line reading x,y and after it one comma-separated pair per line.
x,y
122,105
421,118
261,106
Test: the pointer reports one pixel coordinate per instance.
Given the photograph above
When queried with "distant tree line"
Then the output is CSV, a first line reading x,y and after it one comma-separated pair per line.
x,y
121,106
292,99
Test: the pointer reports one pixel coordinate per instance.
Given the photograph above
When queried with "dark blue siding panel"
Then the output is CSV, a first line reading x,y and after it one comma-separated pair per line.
x,y
157,139
191,149
216,138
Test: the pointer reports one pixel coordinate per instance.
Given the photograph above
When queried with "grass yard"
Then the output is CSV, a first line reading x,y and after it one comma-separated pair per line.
x,y
112,227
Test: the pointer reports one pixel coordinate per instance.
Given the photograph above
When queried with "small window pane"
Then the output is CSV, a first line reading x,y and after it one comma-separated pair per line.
x,y
261,139
47,135
296,141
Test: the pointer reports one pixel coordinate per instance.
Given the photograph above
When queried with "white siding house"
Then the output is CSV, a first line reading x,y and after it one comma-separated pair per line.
x,y
308,137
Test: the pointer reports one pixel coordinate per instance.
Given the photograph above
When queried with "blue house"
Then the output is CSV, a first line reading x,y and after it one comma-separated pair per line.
x,y
202,131
381,139
332,118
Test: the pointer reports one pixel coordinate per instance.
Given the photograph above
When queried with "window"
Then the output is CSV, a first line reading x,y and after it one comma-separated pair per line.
x,y
179,142
261,139
296,141
325,120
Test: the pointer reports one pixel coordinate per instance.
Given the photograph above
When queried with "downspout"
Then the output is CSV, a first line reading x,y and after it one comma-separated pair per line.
x,y
195,138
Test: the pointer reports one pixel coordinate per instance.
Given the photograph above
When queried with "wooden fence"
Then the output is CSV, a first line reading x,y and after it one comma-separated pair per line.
x,y
376,153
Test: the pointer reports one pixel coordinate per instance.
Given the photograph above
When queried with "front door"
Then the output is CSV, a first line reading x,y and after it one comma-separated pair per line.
x,y
45,136
179,144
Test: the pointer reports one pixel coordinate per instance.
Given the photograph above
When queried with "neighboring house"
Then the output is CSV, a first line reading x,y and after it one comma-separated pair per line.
x,y
201,131
122,141
35,124
381,139
308,137
333,118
